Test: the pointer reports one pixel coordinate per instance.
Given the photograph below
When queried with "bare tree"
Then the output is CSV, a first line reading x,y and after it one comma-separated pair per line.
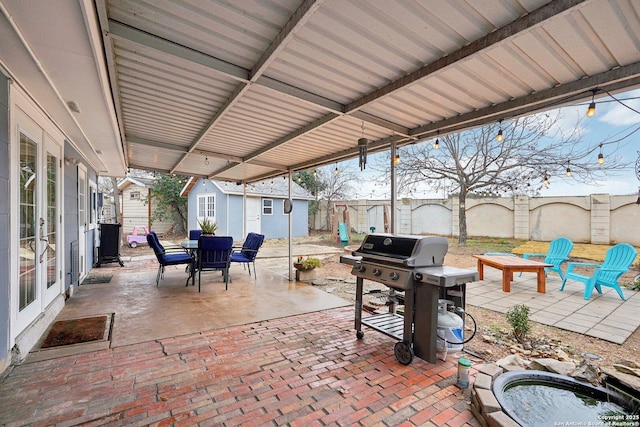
x,y
109,186
337,183
533,151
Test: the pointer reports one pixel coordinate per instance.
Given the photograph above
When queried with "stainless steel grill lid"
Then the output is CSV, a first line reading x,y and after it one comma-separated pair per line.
x,y
409,251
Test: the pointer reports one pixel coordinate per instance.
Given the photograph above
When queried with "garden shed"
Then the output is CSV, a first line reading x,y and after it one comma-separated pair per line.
x,y
259,209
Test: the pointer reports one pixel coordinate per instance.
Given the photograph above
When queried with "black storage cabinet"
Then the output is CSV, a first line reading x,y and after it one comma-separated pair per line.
x,y
109,249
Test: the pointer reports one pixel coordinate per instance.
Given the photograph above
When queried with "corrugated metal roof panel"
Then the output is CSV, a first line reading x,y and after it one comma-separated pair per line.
x,y
237,32
403,68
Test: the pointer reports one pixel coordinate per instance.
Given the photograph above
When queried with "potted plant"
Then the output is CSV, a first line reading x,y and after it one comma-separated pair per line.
x,y
308,263
207,226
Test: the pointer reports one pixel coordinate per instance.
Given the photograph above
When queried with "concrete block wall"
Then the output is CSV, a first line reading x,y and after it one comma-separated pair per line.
x,y
598,218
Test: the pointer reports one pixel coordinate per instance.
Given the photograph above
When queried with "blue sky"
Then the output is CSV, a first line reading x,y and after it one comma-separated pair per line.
x,y
611,122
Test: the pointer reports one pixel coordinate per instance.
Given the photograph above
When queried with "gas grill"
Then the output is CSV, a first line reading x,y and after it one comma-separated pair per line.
x,y
412,265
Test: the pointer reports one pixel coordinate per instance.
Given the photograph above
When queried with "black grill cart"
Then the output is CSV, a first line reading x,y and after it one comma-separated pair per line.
x,y
109,249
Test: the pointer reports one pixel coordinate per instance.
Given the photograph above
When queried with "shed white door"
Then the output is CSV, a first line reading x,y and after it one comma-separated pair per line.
x,y
252,215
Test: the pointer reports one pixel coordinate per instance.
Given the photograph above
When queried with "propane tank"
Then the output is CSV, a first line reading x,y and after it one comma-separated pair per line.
x,y
450,328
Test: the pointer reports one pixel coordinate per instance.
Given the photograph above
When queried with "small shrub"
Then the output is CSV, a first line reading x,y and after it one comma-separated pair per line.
x,y
309,262
518,318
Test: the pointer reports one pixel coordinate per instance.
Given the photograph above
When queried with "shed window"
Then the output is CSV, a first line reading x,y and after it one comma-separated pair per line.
x,y
206,207
134,195
267,206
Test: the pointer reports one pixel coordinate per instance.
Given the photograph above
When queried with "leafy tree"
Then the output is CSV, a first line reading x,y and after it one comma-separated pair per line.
x,y
310,182
533,151
165,190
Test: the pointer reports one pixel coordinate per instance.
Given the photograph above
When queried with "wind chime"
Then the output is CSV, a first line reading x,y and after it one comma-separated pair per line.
x,y
363,144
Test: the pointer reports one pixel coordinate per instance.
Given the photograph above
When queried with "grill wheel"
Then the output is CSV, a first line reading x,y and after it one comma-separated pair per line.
x,y
403,352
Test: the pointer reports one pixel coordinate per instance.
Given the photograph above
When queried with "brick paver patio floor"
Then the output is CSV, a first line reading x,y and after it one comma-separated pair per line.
x,y
302,370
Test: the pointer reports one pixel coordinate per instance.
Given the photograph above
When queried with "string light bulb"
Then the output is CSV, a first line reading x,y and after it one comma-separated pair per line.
x,y
499,137
591,111
436,145
568,170
600,156
396,159
206,160
335,171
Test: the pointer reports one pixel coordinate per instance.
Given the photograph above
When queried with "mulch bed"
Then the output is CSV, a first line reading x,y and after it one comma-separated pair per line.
x,y
75,331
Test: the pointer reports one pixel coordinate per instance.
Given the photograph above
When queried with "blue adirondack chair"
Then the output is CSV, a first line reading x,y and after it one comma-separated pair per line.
x,y
559,251
617,261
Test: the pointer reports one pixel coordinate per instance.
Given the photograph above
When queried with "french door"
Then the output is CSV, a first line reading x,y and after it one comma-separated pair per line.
x,y
36,202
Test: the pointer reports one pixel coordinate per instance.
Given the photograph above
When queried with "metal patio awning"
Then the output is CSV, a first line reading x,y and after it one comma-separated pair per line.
x,y
250,89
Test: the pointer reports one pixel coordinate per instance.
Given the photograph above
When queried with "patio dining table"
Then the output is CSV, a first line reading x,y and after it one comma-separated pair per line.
x,y
192,247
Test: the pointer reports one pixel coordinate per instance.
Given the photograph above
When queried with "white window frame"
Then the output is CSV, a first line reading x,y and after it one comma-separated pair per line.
x,y
264,207
209,200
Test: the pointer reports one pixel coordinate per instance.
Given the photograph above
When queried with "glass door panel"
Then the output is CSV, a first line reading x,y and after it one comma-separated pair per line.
x,y
52,214
27,274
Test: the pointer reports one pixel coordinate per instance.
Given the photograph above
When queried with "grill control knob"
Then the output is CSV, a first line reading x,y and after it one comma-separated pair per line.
x,y
377,271
394,276
360,268
418,277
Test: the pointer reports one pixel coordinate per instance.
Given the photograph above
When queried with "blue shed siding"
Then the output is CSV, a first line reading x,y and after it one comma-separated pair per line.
x,y
236,218
230,214
4,218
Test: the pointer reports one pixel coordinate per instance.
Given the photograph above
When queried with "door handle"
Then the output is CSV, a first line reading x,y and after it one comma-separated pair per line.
x,y
43,239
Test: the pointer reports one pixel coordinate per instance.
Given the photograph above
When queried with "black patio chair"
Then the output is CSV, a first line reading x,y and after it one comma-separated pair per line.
x,y
214,253
169,257
247,254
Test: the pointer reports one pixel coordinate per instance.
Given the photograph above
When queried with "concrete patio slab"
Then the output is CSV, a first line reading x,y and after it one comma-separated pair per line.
x,y
603,316
179,357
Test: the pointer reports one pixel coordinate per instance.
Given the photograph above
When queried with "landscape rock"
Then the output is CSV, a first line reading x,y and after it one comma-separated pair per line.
x,y
553,365
561,355
512,360
587,371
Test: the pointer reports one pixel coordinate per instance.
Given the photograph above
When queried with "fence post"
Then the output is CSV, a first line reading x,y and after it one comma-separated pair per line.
x,y
600,219
521,218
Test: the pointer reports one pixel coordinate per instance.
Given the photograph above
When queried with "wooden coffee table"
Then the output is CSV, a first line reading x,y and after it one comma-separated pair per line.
x,y
510,265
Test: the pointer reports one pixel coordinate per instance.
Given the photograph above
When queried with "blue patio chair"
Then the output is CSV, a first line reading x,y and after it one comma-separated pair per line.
x,y
169,257
194,234
559,251
247,254
214,253
617,261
